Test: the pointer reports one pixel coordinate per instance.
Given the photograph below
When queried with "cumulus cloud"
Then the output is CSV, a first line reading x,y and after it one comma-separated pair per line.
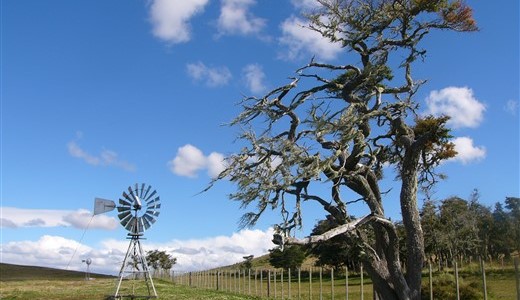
x,y
171,18
305,4
466,151
194,254
235,18
20,217
459,104
254,77
511,107
210,76
189,160
105,158
299,40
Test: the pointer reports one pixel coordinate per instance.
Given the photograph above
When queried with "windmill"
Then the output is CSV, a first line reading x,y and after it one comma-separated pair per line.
x,y
88,261
138,209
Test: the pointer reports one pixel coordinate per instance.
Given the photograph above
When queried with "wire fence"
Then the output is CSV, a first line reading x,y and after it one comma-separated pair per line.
x,y
316,283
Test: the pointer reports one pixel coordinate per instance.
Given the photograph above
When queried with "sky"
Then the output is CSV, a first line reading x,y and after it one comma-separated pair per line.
x,y
99,95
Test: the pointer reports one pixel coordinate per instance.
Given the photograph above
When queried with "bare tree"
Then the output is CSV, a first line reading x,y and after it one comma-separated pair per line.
x,y
340,125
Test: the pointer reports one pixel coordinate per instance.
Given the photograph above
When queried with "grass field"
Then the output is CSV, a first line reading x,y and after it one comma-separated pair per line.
x,y
19,282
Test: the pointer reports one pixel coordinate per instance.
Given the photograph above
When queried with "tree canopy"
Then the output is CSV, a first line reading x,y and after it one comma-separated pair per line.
x,y
340,125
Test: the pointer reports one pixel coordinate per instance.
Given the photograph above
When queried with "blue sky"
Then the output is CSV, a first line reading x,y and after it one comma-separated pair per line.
x,y
98,95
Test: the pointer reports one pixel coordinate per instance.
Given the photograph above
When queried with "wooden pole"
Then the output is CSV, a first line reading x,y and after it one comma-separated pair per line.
x,y
321,284
361,285
517,277
431,280
484,283
310,283
289,282
346,282
332,283
457,279
299,283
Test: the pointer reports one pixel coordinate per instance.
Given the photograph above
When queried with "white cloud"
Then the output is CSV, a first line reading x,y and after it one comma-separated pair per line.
x,y
189,160
300,40
466,151
511,107
255,77
306,4
212,77
105,158
235,18
170,18
194,254
13,217
459,104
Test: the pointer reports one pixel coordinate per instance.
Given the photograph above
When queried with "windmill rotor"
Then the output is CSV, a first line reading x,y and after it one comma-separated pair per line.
x,y
138,208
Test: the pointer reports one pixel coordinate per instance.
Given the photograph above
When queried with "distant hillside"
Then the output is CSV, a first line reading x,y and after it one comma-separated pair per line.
x,y
262,262
9,272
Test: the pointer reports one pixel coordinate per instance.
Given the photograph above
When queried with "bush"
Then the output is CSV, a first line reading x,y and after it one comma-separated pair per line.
x,y
444,287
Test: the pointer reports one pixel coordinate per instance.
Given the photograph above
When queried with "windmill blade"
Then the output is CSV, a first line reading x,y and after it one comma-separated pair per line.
x,y
126,220
147,190
154,207
142,191
130,224
149,218
146,222
131,193
103,205
124,202
153,213
124,214
123,208
151,195
153,200
128,198
140,225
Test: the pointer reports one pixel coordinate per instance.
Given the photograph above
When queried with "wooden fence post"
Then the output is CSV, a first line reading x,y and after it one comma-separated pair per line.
x,y
289,282
361,285
332,283
431,280
517,277
321,284
299,283
310,283
484,283
346,282
457,279
268,283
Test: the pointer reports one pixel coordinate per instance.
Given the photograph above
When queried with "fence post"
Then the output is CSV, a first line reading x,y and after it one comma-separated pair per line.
x,y
321,283
261,283
268,283
346,282
431,280
289,283
457,279
281,281
249,281
332,283
361,285
274,278
517,279
310,283
299,283
483,270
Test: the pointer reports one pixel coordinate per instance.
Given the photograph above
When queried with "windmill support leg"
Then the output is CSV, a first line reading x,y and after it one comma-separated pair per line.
x,y
146,271
140,259
116,295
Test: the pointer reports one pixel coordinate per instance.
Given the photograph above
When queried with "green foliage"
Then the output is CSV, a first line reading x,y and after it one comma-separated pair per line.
x,y
160,260
291,257
444,287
